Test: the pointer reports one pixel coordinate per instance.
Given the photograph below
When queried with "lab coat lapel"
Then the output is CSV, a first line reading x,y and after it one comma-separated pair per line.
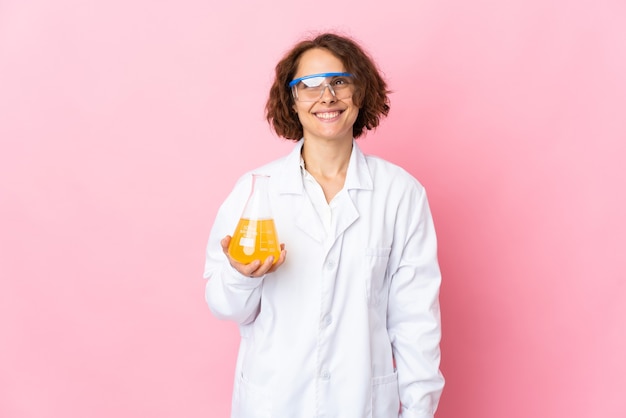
x,y
357,178
290,183
307,218
347,214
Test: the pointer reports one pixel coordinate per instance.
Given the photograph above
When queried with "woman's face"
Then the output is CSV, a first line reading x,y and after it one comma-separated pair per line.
x,y
327,118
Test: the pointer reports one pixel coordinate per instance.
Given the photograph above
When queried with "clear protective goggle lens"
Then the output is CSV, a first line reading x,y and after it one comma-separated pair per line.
x,y
310,88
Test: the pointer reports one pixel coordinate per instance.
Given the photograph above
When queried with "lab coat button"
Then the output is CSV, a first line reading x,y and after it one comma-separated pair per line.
x,y
328,319
325,374
330,265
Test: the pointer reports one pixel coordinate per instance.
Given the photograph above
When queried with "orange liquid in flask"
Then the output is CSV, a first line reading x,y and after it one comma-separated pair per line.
x,y
254,239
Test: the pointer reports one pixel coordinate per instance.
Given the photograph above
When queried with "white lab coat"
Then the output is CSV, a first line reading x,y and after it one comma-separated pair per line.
x,y
320,336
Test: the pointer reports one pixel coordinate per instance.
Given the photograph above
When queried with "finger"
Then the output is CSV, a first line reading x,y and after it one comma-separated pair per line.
x,y
265,267
225,242
251,270
245,269
280,261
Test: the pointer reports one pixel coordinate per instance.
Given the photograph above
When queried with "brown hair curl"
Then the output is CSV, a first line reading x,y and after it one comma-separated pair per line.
x,y
370,94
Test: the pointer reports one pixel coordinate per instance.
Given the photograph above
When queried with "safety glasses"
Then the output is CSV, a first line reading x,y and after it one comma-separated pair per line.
x,y
310,88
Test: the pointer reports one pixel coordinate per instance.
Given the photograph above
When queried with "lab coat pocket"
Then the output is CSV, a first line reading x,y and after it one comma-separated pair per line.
x,y
385,396
375,267
250,400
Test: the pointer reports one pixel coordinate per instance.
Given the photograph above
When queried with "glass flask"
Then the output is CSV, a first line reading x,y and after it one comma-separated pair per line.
x,y
255,237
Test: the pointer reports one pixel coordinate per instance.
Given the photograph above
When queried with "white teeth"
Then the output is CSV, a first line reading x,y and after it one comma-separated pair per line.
x,y
327,115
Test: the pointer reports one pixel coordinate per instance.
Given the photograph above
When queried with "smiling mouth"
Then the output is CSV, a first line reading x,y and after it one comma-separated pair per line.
x,y
328,115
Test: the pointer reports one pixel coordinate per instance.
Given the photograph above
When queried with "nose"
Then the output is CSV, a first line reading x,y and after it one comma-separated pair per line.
x,y
328,95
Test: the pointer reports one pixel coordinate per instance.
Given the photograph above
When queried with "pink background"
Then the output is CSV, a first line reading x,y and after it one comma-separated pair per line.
x,y
123,124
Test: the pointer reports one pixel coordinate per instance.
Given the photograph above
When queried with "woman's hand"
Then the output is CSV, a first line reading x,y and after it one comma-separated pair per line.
x,y
255,268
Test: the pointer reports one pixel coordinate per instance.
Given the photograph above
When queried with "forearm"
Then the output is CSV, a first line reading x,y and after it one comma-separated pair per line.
x,y
415,336
232,296
414,322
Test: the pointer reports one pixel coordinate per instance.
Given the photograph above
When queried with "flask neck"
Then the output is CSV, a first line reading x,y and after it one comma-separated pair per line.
x,y
258,205
260,182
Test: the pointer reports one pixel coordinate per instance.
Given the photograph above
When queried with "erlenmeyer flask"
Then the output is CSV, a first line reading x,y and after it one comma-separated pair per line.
x,y
255,237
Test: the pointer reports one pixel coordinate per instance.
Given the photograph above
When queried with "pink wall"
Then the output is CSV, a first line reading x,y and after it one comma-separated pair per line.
x,y
122,125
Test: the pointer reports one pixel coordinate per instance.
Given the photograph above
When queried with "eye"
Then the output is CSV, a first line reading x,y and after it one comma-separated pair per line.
x,y
340,81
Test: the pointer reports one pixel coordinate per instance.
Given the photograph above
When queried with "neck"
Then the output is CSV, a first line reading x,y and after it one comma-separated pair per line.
x,y
327,159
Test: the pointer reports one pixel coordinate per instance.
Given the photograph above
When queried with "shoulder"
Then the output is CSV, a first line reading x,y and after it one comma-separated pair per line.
x,y
275,167
279,170
390,175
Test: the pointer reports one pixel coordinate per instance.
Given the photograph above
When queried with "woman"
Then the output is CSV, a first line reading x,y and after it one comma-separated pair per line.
x,y
348,324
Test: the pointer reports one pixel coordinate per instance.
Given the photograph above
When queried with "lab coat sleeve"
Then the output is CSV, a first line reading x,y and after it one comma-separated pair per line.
x,y
413,316
229,294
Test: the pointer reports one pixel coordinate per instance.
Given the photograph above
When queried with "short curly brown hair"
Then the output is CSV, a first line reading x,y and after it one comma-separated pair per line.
x,y
370,95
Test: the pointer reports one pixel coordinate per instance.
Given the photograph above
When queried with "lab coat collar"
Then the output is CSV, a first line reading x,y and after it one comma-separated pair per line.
x,y
290,179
